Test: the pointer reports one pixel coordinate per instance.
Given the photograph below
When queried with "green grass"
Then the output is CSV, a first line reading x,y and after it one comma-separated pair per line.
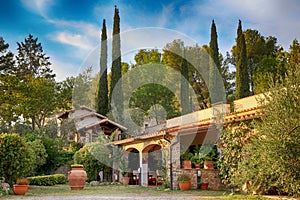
x,y
64,190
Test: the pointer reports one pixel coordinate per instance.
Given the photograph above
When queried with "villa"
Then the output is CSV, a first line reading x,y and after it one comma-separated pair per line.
x,y
161,146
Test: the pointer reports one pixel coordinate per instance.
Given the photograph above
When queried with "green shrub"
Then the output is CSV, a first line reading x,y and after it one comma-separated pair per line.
x,y
60,178
56,157
38,151
183,178
16,159
48,180
91,165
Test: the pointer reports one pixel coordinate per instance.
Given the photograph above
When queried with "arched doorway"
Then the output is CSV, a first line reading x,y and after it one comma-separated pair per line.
x,y
153,161
133,159
133,165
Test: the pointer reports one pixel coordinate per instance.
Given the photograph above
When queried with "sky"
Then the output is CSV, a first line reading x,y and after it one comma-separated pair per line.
x,y
69,30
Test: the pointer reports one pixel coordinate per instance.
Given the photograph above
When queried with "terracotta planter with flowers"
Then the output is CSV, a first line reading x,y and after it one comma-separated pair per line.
x,y
208,164
21,187
184,182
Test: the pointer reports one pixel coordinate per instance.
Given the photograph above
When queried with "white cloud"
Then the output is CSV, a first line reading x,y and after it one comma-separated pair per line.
x,y
63,69
166,15
80,26
38,6
270,17
72,39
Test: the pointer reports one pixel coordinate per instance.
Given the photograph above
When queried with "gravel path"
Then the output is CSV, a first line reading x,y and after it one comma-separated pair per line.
x,y
116,197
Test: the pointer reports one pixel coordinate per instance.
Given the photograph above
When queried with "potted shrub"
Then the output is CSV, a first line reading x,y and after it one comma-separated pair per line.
x,y
186,160
209,154
184,182
196,159
124,171
208,163
204,185
20,188
77,177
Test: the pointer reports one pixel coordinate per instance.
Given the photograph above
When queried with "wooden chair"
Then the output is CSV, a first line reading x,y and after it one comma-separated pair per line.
x,y
136,177
159,178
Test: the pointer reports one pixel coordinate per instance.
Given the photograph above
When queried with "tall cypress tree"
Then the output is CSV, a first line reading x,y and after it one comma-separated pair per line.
x,y
102,105
242,74
184,93
116,70
215,80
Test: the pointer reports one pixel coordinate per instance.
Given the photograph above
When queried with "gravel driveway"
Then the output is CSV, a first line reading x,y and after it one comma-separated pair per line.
x,y
117,197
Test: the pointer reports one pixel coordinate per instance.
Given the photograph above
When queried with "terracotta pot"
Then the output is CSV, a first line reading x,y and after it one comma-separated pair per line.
x,y
185,185
187,164
125,180
77,178
197,166
20,189
203,186
208,164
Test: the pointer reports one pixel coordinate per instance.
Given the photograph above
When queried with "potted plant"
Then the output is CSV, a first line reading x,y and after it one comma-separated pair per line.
x,y
196,159
208,163
124,171
184,182
20,188
208,154
77,177
186,159
204,185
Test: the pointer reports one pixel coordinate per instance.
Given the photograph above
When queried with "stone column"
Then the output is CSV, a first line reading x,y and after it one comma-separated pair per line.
x,y
144,168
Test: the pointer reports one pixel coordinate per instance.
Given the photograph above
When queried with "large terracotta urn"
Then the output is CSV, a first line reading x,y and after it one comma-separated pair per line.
x,y
77,177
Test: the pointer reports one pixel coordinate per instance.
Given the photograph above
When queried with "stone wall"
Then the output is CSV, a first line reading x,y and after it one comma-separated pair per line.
x,y
211,175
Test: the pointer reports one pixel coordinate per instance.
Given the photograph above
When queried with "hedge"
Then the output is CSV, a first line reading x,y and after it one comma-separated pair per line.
x,y
48,180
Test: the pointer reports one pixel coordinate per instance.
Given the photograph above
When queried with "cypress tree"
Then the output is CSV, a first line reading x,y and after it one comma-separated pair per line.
x,y
242,74
213,45
116,70
184,93
102,105
215,80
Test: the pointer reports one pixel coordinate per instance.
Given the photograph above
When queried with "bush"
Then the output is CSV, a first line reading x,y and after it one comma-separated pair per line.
x,y
56,157
91,165
60,178
48,180
183,178
16,159
38,151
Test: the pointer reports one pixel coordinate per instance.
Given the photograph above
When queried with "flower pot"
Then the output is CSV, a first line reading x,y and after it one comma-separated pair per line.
x,y
208,165
77,178
187,164
203,186
125,180
20,189
197,166
185,185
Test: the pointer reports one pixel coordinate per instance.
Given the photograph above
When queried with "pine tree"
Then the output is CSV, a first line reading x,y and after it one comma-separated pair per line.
x,y
102,105
32,61
184,87
242,74
36,83
216,86
116,95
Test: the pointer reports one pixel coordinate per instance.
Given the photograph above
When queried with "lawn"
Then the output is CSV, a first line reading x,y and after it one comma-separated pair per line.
x,y
64,190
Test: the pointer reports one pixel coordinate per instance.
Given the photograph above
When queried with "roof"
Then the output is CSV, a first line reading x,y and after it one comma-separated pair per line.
x,y
248,108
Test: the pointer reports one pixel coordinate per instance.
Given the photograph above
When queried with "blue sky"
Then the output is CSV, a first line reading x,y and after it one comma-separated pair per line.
x,y
69,30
